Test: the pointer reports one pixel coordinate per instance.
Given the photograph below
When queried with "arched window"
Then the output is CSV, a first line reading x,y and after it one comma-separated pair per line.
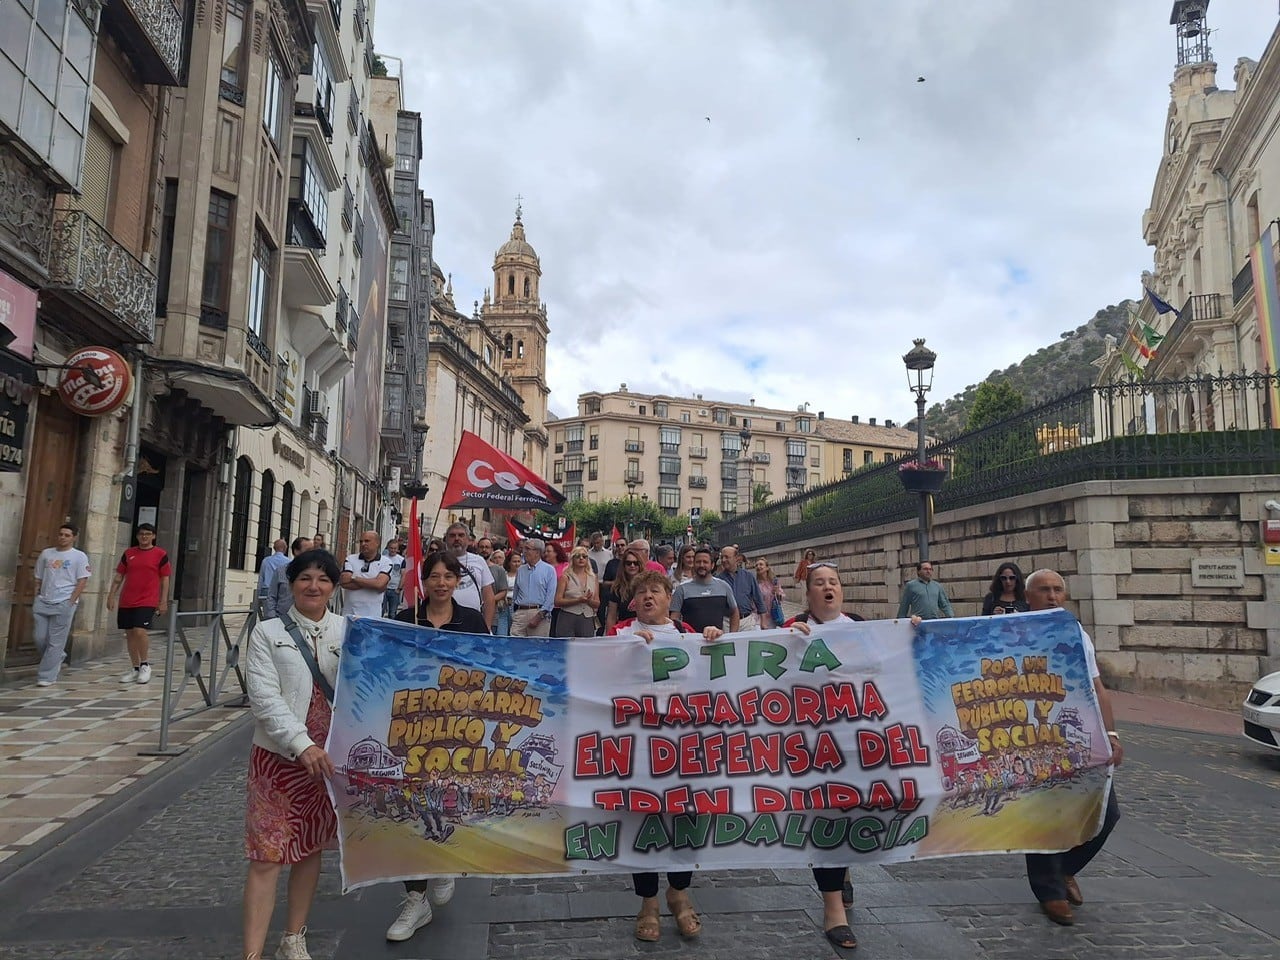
x,y
241,494
304,514
286,511
265,503
322,519
520,350
506,346
511,283
527,287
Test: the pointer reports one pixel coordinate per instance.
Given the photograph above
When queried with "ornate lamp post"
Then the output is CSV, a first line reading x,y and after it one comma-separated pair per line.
x,y
744,486
919,360
631,507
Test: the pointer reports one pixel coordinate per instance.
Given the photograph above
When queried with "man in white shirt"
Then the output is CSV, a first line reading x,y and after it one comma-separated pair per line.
x,y
395,586
476,589
1053,875
365,576
599,554
61,575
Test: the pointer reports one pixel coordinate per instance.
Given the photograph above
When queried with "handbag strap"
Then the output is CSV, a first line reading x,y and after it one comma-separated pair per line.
x,y
308,657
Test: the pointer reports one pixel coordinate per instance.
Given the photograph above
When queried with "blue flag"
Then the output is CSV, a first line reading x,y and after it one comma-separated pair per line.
x,y
1160,305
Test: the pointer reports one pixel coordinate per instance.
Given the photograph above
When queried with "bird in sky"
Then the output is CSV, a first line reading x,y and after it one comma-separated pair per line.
x,y
919,79
708,119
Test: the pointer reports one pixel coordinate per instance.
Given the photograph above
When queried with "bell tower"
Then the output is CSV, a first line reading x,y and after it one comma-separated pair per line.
x,y
519,319
1188,17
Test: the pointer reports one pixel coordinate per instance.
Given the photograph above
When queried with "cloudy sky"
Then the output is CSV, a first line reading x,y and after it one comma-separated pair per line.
x,y
832,207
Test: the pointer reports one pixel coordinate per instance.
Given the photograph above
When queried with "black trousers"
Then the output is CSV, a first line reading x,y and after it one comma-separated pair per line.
x,y
646,884
1047,872
829,879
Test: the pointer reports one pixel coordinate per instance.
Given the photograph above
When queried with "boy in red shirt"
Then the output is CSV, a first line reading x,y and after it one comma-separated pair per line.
x,y
144,573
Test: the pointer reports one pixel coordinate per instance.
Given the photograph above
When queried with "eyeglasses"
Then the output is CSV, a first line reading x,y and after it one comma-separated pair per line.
x,y
631,563
1007,576
818,564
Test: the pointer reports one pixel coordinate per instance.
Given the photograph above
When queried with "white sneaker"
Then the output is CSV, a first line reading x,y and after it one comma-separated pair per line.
x,y
44,683
440,892
144,673
130,677
293,946
415,914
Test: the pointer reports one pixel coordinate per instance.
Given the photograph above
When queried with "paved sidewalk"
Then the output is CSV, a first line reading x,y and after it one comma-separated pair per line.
x,y
72,747
1175,714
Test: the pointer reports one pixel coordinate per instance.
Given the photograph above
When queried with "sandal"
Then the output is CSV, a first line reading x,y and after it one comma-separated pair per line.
x,y
648,927
842,937
687,920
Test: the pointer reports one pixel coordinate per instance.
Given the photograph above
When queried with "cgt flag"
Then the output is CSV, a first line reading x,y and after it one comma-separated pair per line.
x,y
484,476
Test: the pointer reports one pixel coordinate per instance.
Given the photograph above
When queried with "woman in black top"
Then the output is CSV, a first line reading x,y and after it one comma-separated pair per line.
x,y
437,609
1008,593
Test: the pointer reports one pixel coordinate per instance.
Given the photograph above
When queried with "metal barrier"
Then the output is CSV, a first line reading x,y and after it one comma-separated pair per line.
x,y
203,636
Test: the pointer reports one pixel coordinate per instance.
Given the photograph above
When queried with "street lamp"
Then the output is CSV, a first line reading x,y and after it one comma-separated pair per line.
x,y
919,360
744,471
631,507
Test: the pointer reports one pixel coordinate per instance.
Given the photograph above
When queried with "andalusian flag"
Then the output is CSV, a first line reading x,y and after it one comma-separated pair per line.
x,y
1131,365
1148,341
1266,298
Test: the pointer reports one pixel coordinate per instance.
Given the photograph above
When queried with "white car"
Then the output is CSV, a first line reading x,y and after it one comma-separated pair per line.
x,y
1262,712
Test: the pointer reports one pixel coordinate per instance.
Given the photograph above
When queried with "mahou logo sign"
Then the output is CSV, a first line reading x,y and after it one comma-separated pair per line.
x,y
484,476
98,381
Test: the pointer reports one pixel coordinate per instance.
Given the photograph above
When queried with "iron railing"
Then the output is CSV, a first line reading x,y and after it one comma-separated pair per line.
x,y
158,25
1132,430
209,657
86,260
1242,285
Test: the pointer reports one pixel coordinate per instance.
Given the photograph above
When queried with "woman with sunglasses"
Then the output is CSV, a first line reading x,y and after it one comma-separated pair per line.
x,y
1008,593
632,565
577,597
825,596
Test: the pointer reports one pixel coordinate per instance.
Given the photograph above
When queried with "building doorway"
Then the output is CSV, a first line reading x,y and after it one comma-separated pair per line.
x,y
50,495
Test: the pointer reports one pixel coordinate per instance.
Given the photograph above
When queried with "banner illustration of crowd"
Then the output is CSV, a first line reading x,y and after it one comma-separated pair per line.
x,y
864,742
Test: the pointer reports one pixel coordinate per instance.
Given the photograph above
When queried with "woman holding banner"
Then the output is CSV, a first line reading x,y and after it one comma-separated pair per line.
x,y
651,592
441,574
825,596
290,668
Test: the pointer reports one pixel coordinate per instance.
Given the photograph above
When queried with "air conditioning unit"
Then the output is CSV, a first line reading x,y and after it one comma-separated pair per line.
x,y
315,402
703,413
631,403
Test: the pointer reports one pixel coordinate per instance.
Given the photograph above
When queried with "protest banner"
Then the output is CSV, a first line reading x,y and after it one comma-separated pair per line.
x,y
869,742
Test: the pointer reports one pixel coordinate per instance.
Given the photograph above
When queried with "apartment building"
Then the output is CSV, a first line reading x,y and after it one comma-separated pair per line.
x,y
84,95
686,453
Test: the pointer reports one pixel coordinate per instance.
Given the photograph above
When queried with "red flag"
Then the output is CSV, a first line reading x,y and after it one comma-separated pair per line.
x,y
411,578
614,535
484,476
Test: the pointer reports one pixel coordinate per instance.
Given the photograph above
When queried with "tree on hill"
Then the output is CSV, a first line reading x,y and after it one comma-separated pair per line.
x,y
1005,444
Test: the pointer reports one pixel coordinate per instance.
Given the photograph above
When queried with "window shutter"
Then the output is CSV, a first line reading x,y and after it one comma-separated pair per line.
x,y
95,184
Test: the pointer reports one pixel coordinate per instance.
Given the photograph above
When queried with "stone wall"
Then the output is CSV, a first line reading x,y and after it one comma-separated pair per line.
x,y
1125,549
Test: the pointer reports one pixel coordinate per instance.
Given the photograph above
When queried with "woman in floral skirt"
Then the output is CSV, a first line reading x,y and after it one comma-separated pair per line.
x,y
288,816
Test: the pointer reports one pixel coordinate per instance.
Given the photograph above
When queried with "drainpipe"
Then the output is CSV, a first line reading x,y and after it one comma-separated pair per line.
x,y
135,426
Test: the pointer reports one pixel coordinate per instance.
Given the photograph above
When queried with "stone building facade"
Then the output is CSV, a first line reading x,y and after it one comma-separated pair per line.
x,y
1216,190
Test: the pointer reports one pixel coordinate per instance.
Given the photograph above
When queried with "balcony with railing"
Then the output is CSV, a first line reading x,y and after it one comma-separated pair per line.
x,y
697,483
698,453
101,278
444,338
1242,285
353,109
357,234
633,476
348,204
353,327
669,448
573,446
1200,313
634,446
150,32
340,312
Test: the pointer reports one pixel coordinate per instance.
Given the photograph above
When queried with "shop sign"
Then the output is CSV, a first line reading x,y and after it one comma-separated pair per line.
x,y
287,453
18,388
113,387
18,315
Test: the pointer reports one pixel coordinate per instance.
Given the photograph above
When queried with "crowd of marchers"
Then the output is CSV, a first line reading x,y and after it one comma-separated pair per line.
x,y
527,589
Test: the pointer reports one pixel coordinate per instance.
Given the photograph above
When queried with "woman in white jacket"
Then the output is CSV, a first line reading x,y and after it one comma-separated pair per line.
x,y
288,817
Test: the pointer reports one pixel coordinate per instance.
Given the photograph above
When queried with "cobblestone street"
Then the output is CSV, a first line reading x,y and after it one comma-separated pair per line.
x,y
1192,871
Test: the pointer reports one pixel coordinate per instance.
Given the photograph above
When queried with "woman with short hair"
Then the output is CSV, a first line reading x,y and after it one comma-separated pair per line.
x,y
290,668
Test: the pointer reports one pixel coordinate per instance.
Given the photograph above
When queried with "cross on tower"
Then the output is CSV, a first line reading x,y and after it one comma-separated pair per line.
x,y
518,208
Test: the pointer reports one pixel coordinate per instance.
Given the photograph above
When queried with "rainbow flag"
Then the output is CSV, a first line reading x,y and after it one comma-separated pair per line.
x,y
1266,297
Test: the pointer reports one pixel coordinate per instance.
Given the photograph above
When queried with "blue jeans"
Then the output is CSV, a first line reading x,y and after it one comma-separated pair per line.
x,y
502,622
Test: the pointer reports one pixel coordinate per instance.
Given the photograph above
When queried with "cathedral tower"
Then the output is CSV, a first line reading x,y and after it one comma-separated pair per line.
x,y
519,319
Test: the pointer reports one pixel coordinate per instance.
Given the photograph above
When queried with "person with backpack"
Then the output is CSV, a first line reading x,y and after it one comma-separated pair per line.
x,y
651,595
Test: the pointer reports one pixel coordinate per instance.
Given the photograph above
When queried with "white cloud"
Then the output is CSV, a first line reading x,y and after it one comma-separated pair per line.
x,y
831,210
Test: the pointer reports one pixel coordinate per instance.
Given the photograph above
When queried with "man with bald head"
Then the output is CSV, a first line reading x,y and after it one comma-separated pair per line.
x,y
365,576
1053,875
280,594
746,589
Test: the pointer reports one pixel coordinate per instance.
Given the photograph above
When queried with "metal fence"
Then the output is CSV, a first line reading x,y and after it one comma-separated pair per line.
x,y
210,657
1190,427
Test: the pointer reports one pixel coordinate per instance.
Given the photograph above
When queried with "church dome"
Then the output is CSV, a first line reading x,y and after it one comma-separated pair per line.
x,y
517,248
